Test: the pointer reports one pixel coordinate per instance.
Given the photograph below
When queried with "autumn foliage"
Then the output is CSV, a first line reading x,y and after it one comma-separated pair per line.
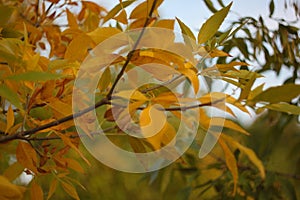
x,y
42,47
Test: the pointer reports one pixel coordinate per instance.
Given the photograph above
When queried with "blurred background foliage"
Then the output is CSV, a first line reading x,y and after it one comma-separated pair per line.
x,y
275,137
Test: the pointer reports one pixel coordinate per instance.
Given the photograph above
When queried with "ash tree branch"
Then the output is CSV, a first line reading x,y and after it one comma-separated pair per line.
x,y
22,135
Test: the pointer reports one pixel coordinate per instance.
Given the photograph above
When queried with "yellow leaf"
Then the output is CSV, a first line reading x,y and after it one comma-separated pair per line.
x,y
152,120
27,156
230,162
70,190
52,188
217,53
32,62
165,23
249,152
36,192
160,72
132,94
9,191
103,33
256,91
156,130
47,89
10,119
122,17
166,99
73,164
140,22
228,124
192,76
13,171
143,9
71,20
59,106
78,48
223,67
68,142
162,138
115,10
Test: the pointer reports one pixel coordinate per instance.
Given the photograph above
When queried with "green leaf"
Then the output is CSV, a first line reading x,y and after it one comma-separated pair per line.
x,y
284,107
35,76
283,93
211,26
10,95
186,31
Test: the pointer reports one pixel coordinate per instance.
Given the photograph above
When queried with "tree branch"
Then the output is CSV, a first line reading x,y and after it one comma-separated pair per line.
x,y
20,135
71,136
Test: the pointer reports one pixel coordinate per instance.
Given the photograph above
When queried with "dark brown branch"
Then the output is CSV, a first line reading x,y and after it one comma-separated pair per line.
x,y
71,136
184,108
20,135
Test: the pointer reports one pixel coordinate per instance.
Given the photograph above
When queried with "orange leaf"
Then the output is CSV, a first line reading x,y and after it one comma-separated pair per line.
x,y
71,20
10,119
61,107
27,156
52,188
70,190
78,47
156,130
68,142
165,23
122,17
9,190
73,164
36,192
